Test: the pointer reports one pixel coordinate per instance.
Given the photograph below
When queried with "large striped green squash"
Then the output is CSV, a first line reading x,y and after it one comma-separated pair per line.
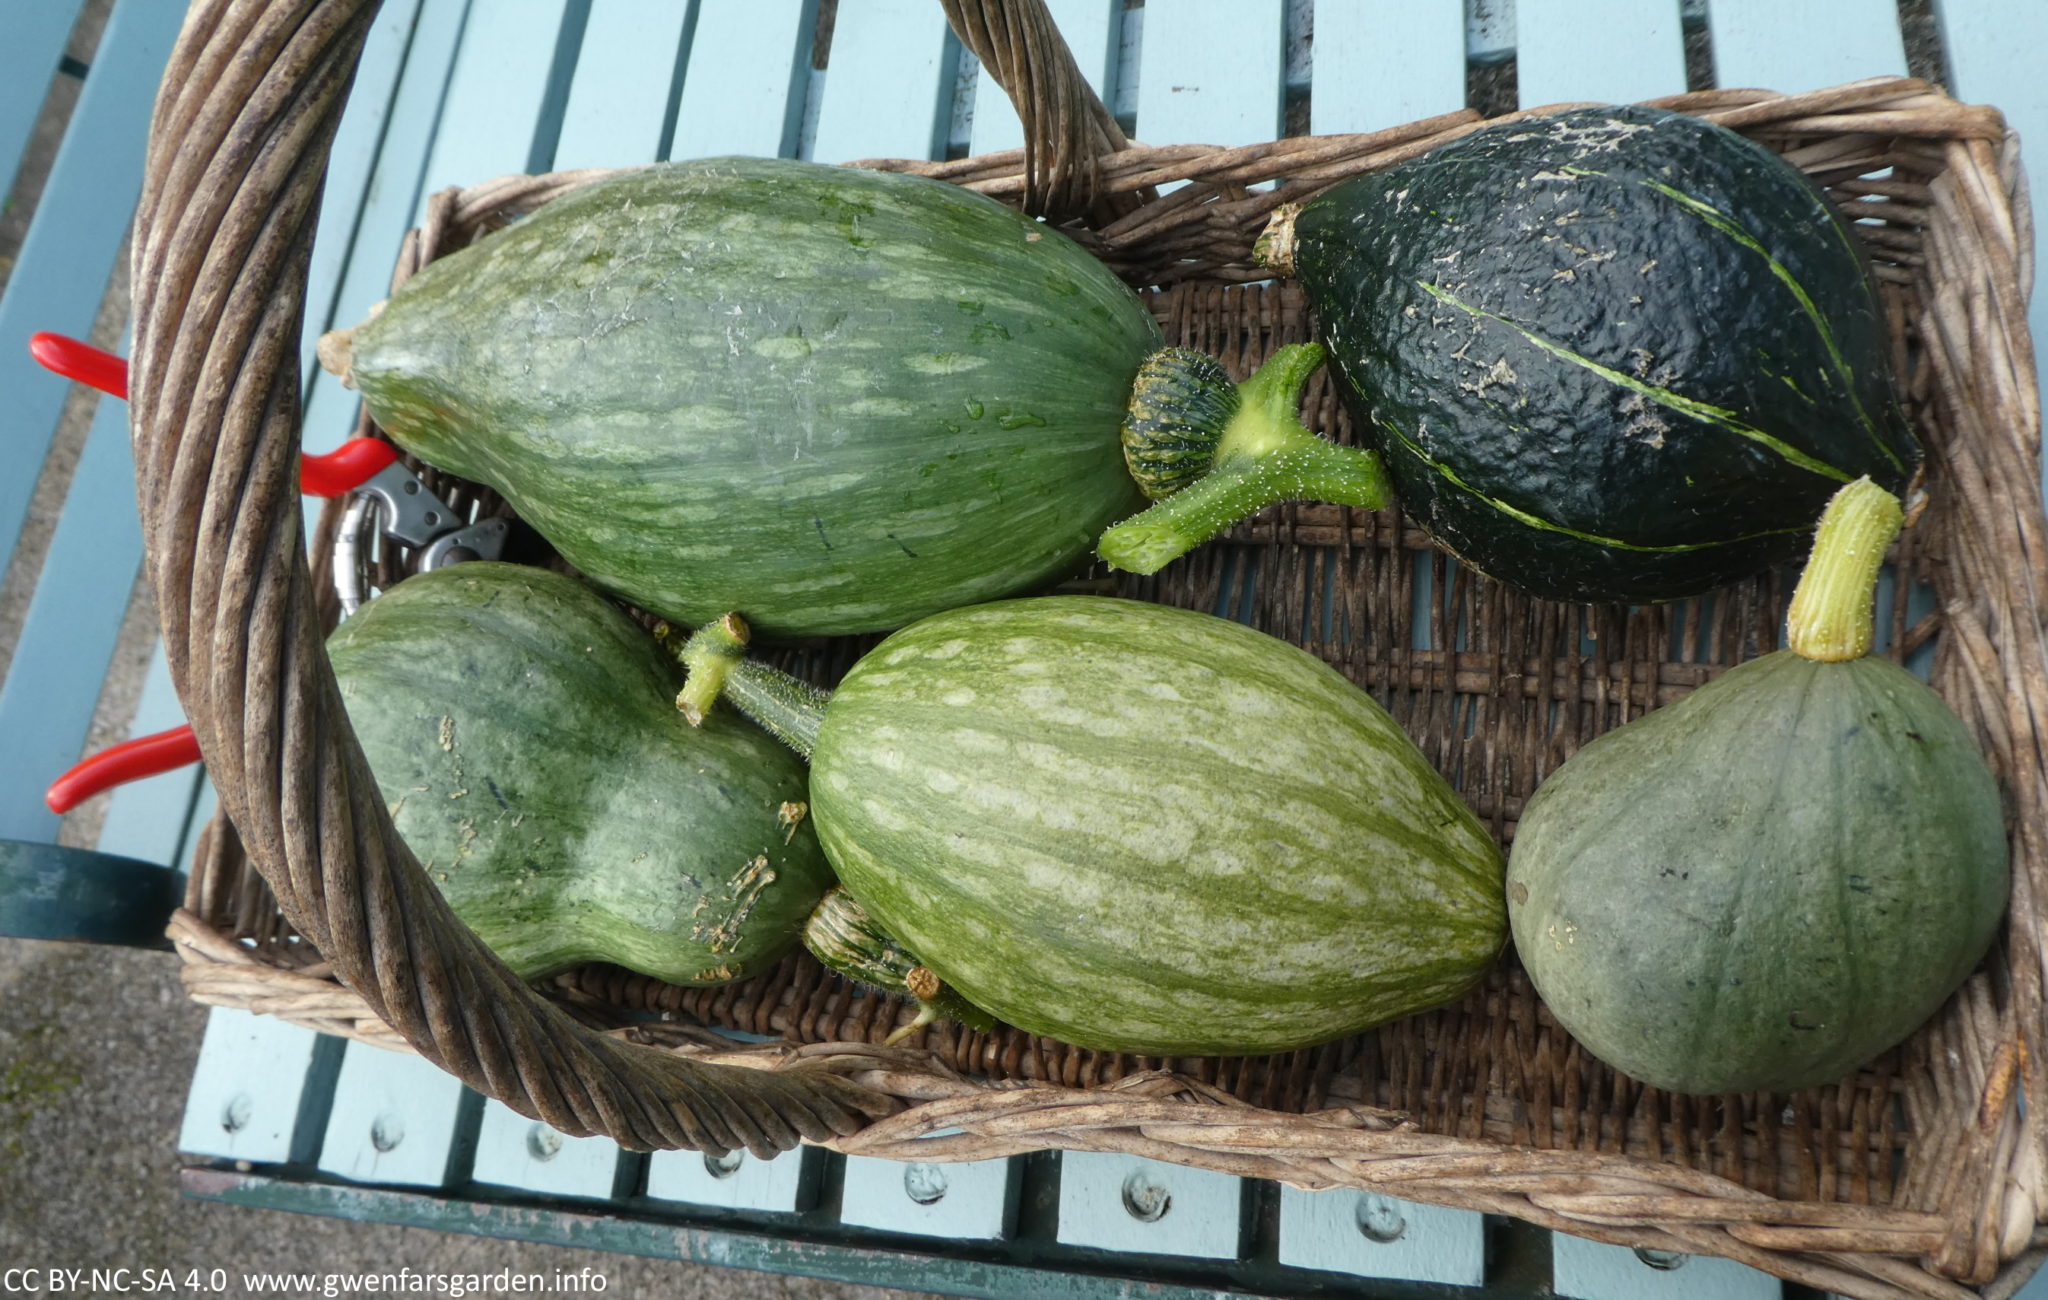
x,y
1142,829
834,400
830,398
1615,354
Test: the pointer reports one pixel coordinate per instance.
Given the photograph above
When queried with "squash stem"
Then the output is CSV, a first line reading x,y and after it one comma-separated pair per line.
x,y
1274,248
1264,455
845,938
786,707
1831,619
709,656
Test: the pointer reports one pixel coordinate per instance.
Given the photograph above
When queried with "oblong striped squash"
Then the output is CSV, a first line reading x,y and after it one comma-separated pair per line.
x,y
1616,354
831,399
1143,829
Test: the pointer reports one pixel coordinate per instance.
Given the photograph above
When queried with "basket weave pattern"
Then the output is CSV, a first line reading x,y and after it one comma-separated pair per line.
x,y
1918,1176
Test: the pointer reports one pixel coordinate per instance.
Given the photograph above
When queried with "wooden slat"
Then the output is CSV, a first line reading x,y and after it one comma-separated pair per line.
x,y
1090,28
627,76
1385,62
74,618
972,1201
1127,1203
2035,1289
786,1184
1592,1270
371,102
396,1119
74,237
1362,1233
393,202
514,1151
36,36
1994,57
260,1089
1640,52
743,92
1792,48
888,89
514,63
1210,72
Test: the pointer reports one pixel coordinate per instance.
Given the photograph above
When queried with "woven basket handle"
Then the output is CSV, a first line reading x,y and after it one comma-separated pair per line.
x,y
238,148
1067,129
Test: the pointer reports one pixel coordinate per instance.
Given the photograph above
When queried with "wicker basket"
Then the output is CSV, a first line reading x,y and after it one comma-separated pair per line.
x,y
1922,1175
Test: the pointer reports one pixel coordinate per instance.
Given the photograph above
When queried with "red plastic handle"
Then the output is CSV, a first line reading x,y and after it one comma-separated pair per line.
x,y
131,760
82,362
346,468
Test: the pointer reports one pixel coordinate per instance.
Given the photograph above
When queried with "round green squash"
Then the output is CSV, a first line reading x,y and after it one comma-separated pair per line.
x,y
1615,354
523,733
1765,885
834,400
1143,829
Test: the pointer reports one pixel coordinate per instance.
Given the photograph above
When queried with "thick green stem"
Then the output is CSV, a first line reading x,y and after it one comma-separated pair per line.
x,y
1264,455
1831,615
786,707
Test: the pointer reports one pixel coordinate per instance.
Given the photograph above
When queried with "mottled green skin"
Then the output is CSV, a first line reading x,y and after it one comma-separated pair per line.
x,y
522,731
1766,884
832,400
1605,232
1142,829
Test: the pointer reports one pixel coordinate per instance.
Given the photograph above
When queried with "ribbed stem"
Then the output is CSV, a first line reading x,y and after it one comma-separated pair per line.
x,y
1181,403
787,708
1831,618
1263,456
845,937
715,657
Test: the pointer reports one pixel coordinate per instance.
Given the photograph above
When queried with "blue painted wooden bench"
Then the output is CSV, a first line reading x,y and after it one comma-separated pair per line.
x,y
454,91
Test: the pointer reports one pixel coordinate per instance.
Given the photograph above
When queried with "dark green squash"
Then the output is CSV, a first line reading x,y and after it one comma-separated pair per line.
x,y
1135,828
523,733
1764,885
834,400
1615,354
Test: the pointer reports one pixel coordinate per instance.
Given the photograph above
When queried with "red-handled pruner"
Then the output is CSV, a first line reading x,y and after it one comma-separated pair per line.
x,y
408,513
131,760
340,471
